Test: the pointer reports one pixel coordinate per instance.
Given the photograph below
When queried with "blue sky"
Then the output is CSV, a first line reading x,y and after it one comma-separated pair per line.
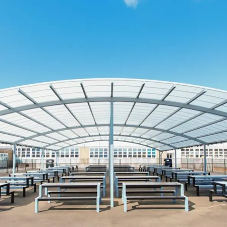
x,y
174,40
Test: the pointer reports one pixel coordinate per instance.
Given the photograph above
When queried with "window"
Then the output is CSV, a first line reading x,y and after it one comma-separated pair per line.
x,y
134,153
38,154
125,154
53,154
62,154
101,154
72,153
28,154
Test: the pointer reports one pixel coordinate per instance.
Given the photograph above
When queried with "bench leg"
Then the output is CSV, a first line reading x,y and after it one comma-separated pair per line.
x,y
12,197
36,205
186,204
125,204
197,191
46,191
48,194
211,196
97,204
24,191
186,186
34,187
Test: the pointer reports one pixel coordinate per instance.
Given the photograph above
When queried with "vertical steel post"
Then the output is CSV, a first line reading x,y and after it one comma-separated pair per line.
x,y
175,158
57,154
14,158
42,166
205,158
111,159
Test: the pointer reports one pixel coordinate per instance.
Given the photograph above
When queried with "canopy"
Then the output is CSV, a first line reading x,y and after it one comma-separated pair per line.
x,y
161,115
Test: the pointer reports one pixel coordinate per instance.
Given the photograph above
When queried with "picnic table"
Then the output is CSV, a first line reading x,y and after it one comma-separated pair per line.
x,y
121,179
204,181
80,178
88,173
20,182
153,185
6,186
79,185
131,173
219,189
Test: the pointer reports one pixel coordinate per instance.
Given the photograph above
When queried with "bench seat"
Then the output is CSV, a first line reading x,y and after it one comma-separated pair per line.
x,y
154,191
66,198
11,194
155,197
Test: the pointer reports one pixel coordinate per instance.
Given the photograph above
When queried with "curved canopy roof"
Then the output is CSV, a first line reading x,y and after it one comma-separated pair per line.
x,y
163,115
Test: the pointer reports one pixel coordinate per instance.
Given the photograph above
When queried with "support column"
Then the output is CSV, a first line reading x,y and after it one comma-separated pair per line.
x,y
111,156
175,158
14,158
56,155
42,165
205,158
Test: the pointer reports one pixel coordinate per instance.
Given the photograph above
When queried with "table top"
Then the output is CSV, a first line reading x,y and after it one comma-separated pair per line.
x,y
131,172
163,184
78,173
3,184
182,170
137,177
34,173
220,182
207,176
83,177
189,172
69,184
13,178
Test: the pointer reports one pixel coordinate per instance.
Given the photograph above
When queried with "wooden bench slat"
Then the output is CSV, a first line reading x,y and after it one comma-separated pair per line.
x,y
65,198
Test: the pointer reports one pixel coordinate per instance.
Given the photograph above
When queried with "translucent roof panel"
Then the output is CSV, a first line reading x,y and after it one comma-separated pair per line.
x,y
158,114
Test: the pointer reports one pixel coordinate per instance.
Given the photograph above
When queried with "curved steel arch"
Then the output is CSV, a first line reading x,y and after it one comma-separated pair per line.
x,y
84,137
107,125
115,99
108,140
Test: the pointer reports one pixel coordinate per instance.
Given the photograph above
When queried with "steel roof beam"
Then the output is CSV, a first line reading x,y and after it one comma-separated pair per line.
x,y
121,125
85,95
116,99
135,137
59,97
42,108
108,140
163,98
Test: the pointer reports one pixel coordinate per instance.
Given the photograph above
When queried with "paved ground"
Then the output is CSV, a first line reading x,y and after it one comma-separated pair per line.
x,y
202,213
